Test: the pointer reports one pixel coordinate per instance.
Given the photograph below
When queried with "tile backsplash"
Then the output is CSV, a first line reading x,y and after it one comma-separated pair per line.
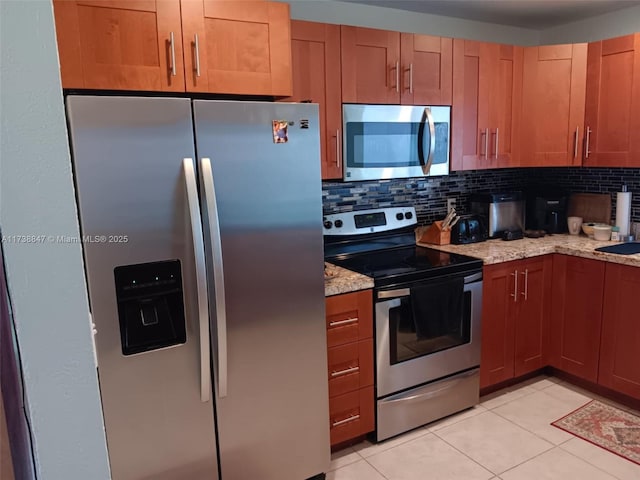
x,y
429,195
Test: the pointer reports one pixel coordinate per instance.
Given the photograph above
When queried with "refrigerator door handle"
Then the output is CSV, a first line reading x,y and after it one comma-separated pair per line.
x,y
201,277
218,273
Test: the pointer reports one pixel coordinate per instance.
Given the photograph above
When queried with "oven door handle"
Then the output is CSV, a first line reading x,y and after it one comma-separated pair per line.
x,y
432,393
473,278
426,117
401,292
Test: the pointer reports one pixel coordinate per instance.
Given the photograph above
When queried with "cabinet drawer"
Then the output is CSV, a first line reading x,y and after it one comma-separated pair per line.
x,y
351,415
349,317
350,367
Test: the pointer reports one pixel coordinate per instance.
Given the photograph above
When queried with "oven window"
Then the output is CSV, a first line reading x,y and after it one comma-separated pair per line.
x,y
393,144
439,320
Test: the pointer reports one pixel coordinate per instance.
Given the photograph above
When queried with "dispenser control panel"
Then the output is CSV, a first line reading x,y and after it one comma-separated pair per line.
x,y
150,306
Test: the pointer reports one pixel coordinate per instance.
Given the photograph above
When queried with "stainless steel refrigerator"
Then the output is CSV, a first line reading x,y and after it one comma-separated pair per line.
x,y
202,237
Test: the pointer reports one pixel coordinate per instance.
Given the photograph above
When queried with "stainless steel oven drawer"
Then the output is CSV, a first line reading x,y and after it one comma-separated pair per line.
x,y
410,409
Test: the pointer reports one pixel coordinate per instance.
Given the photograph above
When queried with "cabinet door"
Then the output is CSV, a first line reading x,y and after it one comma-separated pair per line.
x,y
505,105
243,47
426,69
120,44
576,320
620,343
553,96
498,307
315,49
613,102
531,321
472,67
370,65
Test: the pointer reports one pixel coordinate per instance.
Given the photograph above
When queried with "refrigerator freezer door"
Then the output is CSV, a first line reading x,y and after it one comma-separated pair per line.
x,y
273,423
132,189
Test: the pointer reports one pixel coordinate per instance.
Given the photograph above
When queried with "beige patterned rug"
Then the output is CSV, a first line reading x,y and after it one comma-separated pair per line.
x,y
605,426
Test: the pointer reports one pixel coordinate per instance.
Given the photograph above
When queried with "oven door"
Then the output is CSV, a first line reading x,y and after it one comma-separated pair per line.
x,y
426,331
394,141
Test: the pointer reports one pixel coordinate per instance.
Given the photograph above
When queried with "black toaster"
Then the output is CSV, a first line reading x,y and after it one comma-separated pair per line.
x,y
469,229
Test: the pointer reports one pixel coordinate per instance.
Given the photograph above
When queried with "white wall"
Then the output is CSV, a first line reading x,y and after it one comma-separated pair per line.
x,y
46,281
615,24
330,11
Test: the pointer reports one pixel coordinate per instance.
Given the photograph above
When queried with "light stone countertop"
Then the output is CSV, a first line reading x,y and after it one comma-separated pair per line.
x,y
339,280
498,251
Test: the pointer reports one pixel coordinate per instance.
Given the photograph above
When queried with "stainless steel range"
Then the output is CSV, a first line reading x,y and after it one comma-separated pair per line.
x,y
428,308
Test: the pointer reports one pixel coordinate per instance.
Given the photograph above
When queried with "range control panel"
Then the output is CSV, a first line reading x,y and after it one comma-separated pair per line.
x,y
369,221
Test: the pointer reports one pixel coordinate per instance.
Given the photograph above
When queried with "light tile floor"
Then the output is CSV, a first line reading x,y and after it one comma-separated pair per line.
x,y
508,437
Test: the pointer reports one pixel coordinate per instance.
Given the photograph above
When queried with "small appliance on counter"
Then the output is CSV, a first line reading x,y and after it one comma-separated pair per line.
x,y
547,211
503,211
470,228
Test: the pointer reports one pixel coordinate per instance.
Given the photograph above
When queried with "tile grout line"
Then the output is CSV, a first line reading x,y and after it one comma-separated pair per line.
x,y
587,461
530,431
472,459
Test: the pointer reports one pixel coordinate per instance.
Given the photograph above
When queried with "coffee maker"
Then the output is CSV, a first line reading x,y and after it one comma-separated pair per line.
x,y
547,211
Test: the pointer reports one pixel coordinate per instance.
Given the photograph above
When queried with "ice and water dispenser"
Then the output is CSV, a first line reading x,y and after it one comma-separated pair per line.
x,y
150,306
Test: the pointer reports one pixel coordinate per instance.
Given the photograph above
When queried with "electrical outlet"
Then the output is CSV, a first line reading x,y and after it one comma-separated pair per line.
x,y
451,204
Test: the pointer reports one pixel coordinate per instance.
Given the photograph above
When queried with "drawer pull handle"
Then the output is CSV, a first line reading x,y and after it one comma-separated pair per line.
x,y
343,322
352,418
345,372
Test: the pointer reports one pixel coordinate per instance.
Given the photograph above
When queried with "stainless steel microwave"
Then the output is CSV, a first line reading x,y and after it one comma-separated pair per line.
x,y
395,141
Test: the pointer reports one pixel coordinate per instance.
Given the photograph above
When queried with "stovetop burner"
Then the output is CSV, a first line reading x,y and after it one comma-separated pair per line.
x,y
407,264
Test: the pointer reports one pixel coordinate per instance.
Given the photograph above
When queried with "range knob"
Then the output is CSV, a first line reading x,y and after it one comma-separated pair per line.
x,y
408,215
338,223
328,224
399,216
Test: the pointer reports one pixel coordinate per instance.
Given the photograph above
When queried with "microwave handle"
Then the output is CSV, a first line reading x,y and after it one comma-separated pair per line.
x,y
426,117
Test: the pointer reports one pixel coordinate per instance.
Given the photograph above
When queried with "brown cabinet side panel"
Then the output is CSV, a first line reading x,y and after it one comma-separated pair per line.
x,y
68,39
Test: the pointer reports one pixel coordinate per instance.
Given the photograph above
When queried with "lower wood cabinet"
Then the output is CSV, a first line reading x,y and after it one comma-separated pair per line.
x,y
350,365
351,415
515,313
576,318
620,342
575,314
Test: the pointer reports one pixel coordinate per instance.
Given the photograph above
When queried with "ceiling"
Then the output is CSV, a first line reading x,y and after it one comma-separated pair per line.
x,y
535,14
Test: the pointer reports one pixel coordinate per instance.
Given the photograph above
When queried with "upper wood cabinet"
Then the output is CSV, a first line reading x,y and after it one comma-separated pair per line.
x,y
237,47
315,49
487,81
553,99
613,103
216,46
576,319
380,66
426,64
370,65
120,45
